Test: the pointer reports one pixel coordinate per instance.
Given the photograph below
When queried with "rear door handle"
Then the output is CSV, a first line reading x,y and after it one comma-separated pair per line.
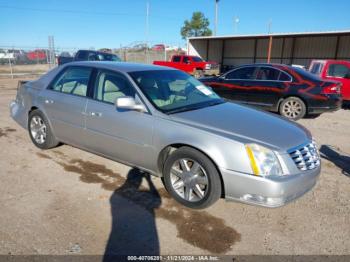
x,y
48,101
245,84
98,114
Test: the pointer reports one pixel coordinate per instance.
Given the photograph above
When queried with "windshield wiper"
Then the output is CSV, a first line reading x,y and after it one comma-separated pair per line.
x,y
190,108
183,109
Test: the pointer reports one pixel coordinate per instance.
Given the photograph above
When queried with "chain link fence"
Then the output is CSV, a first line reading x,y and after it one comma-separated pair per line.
x,y
18,62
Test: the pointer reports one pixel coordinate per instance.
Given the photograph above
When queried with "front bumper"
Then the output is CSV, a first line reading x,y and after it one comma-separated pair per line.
x,y
267,192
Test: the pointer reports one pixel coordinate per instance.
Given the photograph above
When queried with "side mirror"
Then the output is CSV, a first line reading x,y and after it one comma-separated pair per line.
x,y
128,102
222,77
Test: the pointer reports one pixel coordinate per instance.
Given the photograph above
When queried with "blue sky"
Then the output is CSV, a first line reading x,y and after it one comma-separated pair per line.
x,y
112,23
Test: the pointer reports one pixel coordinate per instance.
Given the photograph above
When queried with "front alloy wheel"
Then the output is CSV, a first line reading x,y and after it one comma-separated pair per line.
x,y
191,178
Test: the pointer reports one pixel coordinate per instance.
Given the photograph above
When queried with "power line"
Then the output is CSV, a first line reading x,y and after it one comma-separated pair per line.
x,y
84,12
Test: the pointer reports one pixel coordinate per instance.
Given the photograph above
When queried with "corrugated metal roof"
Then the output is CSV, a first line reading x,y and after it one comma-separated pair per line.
x,y
273,34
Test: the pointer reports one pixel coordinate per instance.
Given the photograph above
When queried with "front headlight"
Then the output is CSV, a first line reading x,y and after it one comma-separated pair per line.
x,y
263,161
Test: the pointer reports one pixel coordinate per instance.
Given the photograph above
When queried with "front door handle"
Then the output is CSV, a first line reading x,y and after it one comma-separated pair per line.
x,y
48,101
95,114
245,84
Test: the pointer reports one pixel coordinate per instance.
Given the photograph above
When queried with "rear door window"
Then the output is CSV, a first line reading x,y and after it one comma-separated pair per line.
x,y
82,55
284,77
245,73
93,57
271,74
74,80
186,59
338,70
176,58
267,74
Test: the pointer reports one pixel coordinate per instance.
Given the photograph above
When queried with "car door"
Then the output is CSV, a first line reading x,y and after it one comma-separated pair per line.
x,y
177,62
267,87
339,72
234,84
64,102
123,135
187,64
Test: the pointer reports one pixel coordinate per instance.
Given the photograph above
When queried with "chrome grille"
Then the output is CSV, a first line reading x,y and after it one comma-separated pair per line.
x,y
306,156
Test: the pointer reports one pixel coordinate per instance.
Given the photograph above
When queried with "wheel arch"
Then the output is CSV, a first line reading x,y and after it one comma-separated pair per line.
x,y
292,95
167,150
35,107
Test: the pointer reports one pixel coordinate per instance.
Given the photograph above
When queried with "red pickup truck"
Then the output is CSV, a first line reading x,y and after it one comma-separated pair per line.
x,y
193,65
334,70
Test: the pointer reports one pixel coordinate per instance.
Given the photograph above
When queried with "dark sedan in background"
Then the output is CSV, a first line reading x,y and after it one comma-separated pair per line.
x,y
291,91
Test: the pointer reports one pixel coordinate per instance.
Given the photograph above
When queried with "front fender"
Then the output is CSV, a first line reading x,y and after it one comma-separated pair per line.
x,y
224,152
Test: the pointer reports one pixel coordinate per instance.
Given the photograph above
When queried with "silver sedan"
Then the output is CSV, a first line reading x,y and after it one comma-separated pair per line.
x,y
167,123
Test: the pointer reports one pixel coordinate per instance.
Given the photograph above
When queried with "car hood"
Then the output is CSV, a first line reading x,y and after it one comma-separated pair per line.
x,y
246,125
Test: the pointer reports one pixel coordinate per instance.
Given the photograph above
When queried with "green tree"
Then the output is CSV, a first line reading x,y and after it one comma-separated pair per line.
x,y
198,26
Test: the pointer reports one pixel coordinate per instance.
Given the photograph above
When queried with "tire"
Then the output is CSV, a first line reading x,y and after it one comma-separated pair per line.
x,y
191,178
292,108
312,116
40,132
198,73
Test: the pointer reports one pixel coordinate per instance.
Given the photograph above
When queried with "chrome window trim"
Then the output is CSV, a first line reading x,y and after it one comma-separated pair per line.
x,y
259,80
49,87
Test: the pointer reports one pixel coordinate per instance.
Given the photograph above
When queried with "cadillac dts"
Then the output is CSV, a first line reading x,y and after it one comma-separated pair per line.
x,y
167,123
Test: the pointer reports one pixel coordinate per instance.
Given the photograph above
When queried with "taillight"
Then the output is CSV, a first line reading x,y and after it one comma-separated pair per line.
x,y
332,89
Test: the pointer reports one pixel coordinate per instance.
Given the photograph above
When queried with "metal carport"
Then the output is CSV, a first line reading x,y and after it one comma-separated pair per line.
x,y
287,48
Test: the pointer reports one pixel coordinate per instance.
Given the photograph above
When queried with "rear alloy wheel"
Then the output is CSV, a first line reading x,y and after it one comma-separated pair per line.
x,y
293,108
40,132
191,178
38,129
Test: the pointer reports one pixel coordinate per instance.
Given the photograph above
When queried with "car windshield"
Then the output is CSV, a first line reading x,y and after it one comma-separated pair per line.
x,y
197,59
173,91
109,57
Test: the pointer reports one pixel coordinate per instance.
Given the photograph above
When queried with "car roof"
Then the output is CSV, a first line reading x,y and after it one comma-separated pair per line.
x,y
119,66
330,61
266,64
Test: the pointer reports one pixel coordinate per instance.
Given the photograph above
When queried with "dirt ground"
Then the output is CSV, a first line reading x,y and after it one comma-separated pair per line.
x,y
67,201
29,69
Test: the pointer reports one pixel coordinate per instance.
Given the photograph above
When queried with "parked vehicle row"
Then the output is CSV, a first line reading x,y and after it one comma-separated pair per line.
x,y
162,47
88,55
290,91
168,123
192,65
23,57
334,70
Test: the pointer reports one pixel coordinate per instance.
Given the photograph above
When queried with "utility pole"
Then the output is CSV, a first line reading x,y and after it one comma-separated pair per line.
x,y
10,63
216,17
147,30
51,56
270,41
235,24
269,25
